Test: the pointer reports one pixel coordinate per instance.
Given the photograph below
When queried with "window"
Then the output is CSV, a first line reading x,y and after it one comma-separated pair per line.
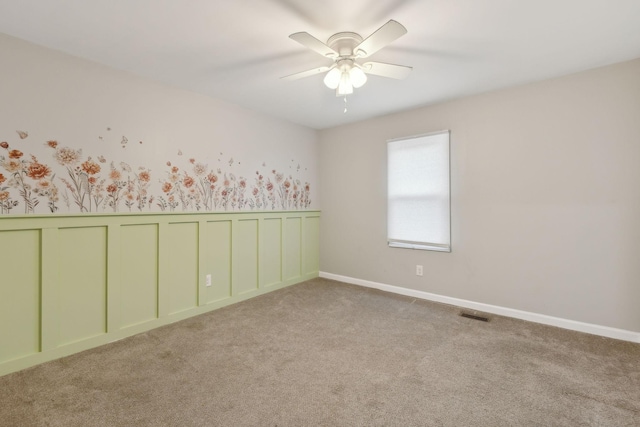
x,y
418,207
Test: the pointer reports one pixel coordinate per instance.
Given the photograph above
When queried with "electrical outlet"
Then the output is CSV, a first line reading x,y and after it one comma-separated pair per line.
x,y
418,270
208,280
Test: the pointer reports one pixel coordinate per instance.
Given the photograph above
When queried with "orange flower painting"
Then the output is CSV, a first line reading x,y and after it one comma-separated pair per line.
x,y
37,170
188,181
90,167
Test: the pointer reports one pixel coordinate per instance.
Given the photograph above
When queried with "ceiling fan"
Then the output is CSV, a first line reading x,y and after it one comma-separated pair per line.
x,y
345,49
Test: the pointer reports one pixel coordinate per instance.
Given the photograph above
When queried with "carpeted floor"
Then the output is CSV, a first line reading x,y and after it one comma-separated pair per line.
x,y
323,353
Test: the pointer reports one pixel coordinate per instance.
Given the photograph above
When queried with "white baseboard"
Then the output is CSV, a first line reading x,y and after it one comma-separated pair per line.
x,y
573,325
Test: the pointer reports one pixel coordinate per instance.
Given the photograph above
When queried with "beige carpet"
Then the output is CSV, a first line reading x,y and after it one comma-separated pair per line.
x,y
323,353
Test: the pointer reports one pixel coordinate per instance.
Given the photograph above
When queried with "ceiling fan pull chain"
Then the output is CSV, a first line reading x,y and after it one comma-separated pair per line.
x,y
345,104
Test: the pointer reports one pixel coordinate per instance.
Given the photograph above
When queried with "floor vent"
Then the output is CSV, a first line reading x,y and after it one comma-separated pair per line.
x,y
474,317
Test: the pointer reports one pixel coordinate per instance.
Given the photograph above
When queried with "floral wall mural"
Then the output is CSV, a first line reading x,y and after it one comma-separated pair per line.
x,y
52,176
77,137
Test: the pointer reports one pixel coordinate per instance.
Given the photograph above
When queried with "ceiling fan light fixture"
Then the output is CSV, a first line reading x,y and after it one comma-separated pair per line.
x,y
345,87
358,77
332,79
344,49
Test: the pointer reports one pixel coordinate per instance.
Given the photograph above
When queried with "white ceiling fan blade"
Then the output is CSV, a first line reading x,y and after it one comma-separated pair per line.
x,y
307,73
386,70
384,35
314,44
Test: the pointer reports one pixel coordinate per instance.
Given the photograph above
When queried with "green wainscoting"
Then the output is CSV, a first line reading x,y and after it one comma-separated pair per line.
x,y
73,282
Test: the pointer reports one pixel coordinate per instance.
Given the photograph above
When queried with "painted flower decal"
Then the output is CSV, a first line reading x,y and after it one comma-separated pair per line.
x,y
44,185
15,154
115,174
67,156
12,166
37,170
144,176
90,167
199,169
188,181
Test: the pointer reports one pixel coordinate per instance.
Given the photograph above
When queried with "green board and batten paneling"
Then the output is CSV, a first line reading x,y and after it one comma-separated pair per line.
x,y
20,302
72,282
138,274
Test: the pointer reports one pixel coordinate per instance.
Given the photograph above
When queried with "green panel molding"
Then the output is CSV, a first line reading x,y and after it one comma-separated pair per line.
x,y
183,265
311,243
218,260
73,282
271,251
19,294
139,274
245,256
82,283
293,244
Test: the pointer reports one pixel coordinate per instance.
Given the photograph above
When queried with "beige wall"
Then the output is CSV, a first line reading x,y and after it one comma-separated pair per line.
x,y
545,199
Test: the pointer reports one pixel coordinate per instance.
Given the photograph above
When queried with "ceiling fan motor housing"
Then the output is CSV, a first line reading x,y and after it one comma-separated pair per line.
x,y
344,43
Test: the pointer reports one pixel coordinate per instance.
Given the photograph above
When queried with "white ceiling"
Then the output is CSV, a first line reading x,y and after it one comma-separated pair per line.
x,y
236,50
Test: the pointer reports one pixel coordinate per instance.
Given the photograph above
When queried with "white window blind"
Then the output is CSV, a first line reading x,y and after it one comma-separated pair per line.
x,y
418,206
